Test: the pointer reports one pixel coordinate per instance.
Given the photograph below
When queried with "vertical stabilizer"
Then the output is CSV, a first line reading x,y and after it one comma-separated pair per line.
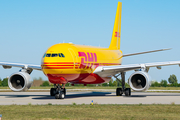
x,y
116,35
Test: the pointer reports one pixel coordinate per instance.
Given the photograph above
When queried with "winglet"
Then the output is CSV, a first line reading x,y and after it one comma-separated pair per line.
x,y
116,35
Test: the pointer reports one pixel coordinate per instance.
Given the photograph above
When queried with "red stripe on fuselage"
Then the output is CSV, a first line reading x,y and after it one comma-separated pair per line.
x,y
79,63
57,67
59,63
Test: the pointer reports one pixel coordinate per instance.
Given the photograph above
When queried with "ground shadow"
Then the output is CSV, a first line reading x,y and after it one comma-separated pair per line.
x,y
78,95
138,96
71,95
21,96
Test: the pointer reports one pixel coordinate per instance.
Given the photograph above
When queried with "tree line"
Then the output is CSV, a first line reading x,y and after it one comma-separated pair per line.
x,y
4,82
164,83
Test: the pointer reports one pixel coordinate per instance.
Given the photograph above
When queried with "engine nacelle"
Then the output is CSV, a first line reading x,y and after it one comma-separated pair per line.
x,y
19,81
139,81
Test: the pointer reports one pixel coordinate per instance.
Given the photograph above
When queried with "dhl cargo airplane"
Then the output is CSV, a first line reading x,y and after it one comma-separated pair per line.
x,y
80,64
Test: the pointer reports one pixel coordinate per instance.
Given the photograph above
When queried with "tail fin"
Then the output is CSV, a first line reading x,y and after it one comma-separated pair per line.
x,y
115,40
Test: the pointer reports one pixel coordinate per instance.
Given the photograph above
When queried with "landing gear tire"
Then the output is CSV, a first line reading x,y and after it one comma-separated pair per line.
x,y
58,91
64,90
119,92
127,92
57,96
53,91
61,95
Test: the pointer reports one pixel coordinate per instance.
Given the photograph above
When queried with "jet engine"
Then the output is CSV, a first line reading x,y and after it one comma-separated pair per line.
x,y
19,81
139,81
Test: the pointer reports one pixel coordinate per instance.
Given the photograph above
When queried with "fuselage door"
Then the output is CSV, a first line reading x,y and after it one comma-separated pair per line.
x,y
74,56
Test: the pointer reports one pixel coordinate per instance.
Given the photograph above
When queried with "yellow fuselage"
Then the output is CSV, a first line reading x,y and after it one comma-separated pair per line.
x,y
67,62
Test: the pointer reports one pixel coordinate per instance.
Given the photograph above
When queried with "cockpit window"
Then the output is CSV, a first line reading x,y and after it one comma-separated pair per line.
x,y
44,55
54,55
48,55
62,55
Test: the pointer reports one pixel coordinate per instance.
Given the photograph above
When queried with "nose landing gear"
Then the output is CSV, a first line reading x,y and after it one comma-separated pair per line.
x,y
58,91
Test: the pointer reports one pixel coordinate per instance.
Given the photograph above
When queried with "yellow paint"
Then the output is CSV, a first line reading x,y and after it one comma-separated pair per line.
x,y
116,35
105,57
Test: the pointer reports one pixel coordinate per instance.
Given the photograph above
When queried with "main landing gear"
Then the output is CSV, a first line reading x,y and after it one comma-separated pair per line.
x,y
120,91
58,91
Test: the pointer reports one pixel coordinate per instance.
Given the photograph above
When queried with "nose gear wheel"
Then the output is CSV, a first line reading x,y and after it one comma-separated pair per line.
x,y
58,91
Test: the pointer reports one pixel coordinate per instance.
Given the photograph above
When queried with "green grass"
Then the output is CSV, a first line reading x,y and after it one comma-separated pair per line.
x,y
4,87
90,112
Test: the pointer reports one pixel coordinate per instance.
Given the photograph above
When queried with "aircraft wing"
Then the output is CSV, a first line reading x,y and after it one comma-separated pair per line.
x,y
106,71
8,65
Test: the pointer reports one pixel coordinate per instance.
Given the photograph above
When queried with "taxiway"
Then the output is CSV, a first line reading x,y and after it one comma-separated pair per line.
x,y
39,98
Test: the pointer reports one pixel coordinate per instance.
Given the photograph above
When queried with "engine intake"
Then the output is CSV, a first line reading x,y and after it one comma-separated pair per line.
x,y
139,81
19,81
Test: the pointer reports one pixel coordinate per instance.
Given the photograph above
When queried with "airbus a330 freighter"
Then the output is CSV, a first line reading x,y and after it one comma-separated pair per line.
x,y
79,64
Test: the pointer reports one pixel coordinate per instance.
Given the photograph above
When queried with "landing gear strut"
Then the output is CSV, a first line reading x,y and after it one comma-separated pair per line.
x,y
58,91
120,91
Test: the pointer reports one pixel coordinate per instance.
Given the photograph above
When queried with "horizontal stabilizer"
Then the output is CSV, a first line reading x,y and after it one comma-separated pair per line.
x,y
145,52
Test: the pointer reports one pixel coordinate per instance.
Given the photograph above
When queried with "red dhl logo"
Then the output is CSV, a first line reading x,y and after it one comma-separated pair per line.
x,y
86,60
117,34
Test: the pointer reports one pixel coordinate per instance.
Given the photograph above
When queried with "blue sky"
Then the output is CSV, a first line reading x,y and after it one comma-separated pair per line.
x,y
29,27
